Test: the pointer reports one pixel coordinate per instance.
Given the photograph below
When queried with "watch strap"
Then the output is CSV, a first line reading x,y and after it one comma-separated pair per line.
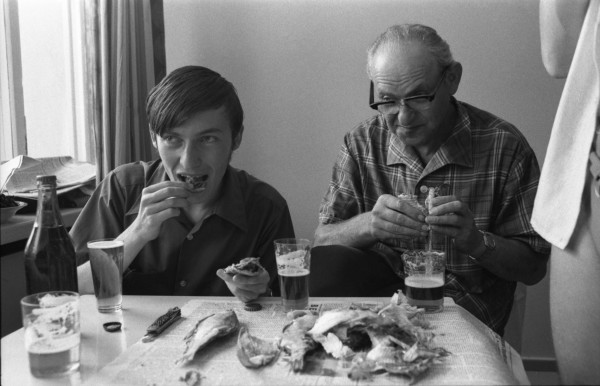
x,y
488,242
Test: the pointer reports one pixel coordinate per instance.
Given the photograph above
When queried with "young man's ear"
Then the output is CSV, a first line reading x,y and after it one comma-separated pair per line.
x,y
153,138
237,140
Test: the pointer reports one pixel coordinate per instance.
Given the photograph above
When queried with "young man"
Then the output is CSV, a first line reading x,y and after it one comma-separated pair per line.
x,y
189,214
421,138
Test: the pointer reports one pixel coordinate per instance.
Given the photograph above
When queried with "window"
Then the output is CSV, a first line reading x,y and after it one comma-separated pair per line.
x,y
41,83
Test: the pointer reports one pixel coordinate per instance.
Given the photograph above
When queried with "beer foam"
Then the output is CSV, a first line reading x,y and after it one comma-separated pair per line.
x,y
295,259
294,272
424,281
102,244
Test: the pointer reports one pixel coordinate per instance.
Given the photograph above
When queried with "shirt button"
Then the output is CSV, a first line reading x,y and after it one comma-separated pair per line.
x,y
183,283
424,189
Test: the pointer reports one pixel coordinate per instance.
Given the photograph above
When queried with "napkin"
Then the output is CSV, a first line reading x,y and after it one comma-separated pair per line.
x,y
558,198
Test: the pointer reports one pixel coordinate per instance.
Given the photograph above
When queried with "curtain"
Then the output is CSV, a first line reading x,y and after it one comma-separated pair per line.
x,y
120,58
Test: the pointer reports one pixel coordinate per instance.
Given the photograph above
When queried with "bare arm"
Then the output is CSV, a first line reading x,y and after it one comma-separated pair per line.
x,y
353,232
390,218
511,259
560,25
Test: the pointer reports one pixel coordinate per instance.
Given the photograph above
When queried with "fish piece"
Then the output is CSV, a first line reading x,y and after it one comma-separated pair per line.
x,y
295,341
254,352
249,266
205,331
333,346
330,319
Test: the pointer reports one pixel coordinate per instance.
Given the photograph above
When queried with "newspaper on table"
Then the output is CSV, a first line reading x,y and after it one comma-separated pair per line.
x,y
479,356
18,176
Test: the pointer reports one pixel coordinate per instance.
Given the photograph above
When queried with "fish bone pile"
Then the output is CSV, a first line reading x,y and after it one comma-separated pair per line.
x,y
394,339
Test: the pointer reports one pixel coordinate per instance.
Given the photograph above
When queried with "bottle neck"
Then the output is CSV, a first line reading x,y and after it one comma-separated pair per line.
x,y
48,211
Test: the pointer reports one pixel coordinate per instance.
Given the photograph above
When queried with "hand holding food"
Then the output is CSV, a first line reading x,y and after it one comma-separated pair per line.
x,y
159,203
396,218
247,280
452,217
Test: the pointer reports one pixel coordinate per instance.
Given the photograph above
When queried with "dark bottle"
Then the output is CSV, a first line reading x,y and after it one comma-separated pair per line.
x,y
50,262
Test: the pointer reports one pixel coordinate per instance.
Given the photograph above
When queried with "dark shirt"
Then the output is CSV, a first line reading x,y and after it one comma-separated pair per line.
x,y
184,258
486,163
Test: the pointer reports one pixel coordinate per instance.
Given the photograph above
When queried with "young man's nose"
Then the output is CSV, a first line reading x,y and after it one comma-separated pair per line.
x,y
191,157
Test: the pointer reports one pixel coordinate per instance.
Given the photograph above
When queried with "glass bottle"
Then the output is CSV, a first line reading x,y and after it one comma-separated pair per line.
x,y
50,260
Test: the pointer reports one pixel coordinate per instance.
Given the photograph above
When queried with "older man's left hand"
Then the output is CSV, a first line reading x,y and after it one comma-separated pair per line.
x,y
244,287
451,217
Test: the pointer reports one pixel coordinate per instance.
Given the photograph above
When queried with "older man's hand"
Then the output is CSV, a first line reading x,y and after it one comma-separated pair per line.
x,y
452,217
394,218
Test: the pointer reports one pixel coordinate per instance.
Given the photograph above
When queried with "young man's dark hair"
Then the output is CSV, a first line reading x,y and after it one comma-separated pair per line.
x,y
187,91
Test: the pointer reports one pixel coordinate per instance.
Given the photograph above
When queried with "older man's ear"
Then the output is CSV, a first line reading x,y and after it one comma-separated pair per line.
x,y
453,77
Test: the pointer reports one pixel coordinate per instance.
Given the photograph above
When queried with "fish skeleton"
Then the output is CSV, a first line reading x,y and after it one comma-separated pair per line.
x,y
205,331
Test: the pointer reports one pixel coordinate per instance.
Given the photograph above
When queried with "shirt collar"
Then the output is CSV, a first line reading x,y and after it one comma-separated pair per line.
x,y
455,150
229,206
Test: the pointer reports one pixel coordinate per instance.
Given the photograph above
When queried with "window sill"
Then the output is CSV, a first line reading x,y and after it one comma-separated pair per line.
x,y
19,227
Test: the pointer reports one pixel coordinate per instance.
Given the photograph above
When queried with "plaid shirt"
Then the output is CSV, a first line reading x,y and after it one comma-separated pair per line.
x,y
487,164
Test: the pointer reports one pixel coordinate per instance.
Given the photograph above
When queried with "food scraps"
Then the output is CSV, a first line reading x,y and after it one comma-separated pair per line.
x,y
394,339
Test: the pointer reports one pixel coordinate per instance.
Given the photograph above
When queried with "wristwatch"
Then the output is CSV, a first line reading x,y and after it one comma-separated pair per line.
x,y
488,242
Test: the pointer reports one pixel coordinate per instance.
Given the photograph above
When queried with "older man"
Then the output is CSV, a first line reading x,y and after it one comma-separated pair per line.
x,y
188,214
421,138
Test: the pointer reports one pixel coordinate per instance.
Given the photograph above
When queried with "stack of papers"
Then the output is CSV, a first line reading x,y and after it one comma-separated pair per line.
x,y
18,176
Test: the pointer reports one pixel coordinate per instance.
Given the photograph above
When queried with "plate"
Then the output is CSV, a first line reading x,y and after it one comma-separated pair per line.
x,y
9,212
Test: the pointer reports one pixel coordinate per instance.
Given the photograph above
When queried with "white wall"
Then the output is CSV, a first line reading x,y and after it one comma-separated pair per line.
x,y
299,67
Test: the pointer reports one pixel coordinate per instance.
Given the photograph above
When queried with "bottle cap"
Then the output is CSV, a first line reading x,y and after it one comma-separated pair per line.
x,y
46,180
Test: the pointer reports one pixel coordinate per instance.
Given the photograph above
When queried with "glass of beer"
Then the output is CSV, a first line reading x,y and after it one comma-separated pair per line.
x,y
52,332
293,268
424,278
106,260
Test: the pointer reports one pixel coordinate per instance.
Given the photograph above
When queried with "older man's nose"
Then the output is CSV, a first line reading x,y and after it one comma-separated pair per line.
x,y
405,115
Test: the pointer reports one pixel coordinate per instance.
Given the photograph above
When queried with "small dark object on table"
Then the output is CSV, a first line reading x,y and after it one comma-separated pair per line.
x,y
252,307
112,326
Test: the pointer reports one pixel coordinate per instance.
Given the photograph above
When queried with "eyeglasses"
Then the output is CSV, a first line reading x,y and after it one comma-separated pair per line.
x,y
417,102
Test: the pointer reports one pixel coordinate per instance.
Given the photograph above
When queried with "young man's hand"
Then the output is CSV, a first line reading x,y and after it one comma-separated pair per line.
x,y
244,287
160,202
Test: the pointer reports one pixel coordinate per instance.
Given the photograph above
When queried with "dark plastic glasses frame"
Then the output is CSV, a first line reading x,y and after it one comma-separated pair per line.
x,y
402,102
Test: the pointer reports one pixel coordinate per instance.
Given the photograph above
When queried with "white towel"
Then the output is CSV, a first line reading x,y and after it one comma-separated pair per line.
x,y
563,174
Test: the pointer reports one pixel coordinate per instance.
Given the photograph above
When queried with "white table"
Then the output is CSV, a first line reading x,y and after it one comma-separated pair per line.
x,y
99,348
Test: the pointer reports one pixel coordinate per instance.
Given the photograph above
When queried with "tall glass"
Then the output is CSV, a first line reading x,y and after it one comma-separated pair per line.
x,y
106,260
293,268
424,278
52,332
